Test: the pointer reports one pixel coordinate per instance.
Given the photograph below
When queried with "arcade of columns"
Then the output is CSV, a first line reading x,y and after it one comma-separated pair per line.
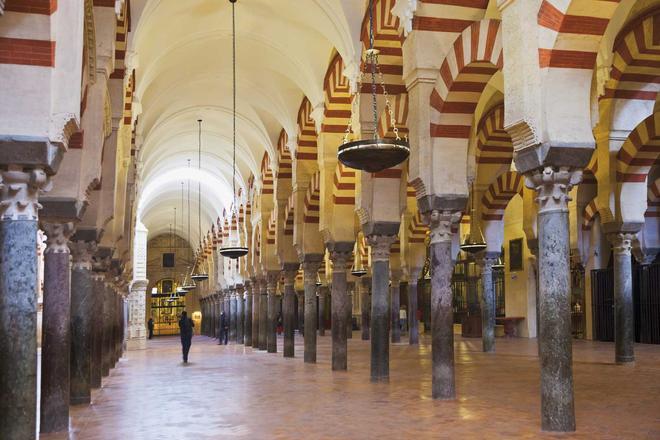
x,y
551,101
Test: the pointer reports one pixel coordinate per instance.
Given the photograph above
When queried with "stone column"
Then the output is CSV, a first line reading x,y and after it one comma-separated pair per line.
x,y
56,329
272,308
263,315
82,320
339,256
350,292
395,305
413,324
552,186
249,286
365,306
233,314
310,270
137,315
119,313
323,290
488,305
240,301
288,308
19,192
256,301
380,344
108,330
442,315
300,312
98,289
624,314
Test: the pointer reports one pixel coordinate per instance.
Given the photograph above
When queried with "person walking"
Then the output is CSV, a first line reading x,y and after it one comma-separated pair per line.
x,y
403,318
186,326
224,329
150,326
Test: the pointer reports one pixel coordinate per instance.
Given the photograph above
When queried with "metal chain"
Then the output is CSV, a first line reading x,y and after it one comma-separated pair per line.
x,y
233,33
388,104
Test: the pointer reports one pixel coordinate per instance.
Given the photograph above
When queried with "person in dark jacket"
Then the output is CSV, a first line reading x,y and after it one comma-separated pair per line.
x,y
150,325
224,329
186,326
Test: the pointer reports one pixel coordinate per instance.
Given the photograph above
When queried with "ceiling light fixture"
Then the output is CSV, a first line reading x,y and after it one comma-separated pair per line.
x,y
375,154
199,275
474,241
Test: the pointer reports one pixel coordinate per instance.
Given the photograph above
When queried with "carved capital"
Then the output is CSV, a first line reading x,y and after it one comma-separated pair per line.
x,y
486,262
552,185
340,260
290,272
310,271
81,253
440,224
380,246
57,237
19,192
272,277
405,10
61,127
621,243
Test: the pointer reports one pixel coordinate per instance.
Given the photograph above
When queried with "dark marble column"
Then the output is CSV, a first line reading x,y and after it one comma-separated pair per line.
x,y
247,324
395,305
56,329
233,314
488,305
288,308
256,301
272,310
300,311
323,290
339,254
107,323
350,292
98,279
310,271
624,314
365,306
240,305
552,186
82,320
18,300
413,324
442,315
380,316
263,315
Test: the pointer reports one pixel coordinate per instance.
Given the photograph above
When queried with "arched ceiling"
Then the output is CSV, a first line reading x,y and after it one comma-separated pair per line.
x,y
184,73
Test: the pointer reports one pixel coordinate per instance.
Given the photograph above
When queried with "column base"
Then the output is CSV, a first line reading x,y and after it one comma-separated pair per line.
x,y
136,344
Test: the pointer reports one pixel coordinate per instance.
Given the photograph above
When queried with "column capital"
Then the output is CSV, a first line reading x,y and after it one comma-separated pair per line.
x,y
19,192
552,185
272,277
340,260
310,271
621,242
82,252
290,271
57,237
440,223
380,246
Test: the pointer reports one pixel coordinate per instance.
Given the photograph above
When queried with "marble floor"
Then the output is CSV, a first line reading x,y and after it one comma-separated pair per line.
x,y
235,392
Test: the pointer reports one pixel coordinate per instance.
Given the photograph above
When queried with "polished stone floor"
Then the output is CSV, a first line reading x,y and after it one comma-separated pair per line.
x,y
236,392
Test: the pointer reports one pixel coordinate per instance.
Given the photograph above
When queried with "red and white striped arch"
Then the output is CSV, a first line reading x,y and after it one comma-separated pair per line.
x,y
399,105
589,214
653,200
266,175
475,56
640,151
570,31
283,157
493,142
307,147
417,229
289,218
344,183
312,200
448,16
499,194
337,98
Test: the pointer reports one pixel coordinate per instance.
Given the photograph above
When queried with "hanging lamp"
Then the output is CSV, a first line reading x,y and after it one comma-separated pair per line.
x,y
185,284
499,264
199,276
189,284
375,154
473,242
234,250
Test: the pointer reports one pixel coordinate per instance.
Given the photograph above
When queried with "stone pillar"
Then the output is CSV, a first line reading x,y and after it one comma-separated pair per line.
x,y
263,315
256,301
365,306
233,314
18,300
119,313
56,329
240,301
82,320
380,268
442,314
288,307
488,305
339,256
395,305
413,324
552,186
108,328
300,312
310,271
98,289
249,286
272,310
350,292
624,314
323,290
